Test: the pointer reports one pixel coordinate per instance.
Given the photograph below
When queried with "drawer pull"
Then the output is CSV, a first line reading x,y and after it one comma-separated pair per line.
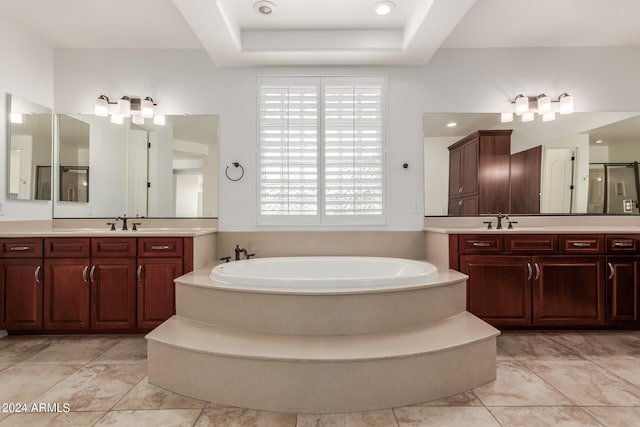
x,y
19,248
37,274
481,244
581,244
160,248
612,270
623,244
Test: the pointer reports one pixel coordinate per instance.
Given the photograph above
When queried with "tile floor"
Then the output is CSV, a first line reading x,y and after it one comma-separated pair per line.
x,y
544,379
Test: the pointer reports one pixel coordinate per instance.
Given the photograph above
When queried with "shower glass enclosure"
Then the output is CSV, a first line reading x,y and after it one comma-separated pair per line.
x,y
613,188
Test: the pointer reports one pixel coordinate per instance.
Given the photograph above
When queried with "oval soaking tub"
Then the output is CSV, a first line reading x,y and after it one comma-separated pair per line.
x,y
333,274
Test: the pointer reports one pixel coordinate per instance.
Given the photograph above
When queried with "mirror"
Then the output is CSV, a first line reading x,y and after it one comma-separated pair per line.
x,y
146,170
29,150
587,162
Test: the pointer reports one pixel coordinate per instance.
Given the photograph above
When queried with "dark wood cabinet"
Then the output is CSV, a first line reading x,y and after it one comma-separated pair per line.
x,y
156,290
524,181
66,293
622,291
479,173
499,288
113,293
22,283
568,291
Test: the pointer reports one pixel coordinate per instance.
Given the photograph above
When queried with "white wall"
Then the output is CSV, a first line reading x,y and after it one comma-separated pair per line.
x,y
456,80
26,71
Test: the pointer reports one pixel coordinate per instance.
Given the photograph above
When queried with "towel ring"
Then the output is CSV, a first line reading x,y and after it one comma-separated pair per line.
x,y
236,165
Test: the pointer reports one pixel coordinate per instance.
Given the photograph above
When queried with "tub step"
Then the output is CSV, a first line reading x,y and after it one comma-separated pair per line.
x,y
322,374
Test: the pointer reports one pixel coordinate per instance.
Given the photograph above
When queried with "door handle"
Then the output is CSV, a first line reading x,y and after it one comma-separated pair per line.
x,y
139,273
92,274
612,270
537,267
530,270
85,275
37,274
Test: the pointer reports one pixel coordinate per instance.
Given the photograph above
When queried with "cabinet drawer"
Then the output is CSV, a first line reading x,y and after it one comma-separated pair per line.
x,y
481,244
70,247
160,246
531,244
622,244
20,248
582,244
107,247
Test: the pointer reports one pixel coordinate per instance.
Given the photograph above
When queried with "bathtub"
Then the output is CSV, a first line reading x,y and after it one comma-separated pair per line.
x,y
325,295
332,274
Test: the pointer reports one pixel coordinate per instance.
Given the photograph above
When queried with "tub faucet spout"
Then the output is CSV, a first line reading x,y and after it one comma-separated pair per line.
x,y
239,251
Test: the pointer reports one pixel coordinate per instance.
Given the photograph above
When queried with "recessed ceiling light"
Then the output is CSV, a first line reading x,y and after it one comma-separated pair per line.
x,y
384,7
264,7
452,124
599,141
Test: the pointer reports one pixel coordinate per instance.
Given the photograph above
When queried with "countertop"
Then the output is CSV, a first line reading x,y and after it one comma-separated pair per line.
x,y
565,229
105,232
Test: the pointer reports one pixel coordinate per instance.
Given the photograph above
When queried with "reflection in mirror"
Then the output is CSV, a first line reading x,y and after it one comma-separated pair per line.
x,y
29,157
144,170
583,163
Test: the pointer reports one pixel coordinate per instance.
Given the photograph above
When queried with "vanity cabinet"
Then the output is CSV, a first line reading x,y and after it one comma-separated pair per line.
x,y
21,284
479,173
534,280
622,284
160,261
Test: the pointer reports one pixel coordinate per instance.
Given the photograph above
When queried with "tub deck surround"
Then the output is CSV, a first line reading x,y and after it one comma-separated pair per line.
x,y
324,351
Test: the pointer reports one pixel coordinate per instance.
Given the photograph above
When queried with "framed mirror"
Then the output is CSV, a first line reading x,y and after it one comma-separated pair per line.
x,y
29,150
144,170
578,164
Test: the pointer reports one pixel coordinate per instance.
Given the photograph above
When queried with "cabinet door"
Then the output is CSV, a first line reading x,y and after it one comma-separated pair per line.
x,y
156,290
568,291
113,293
66,293
499,288
622,291
455,170
22,293
469,168
2,272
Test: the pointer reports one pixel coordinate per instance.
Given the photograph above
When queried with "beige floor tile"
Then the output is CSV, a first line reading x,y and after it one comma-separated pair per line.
x,y
70,419
468,398
538,346
544,416
153,418
149,396
384,418
72,350
613,416
21,383
516,385
627,369
585,383
2,367
96,387
238,417
14,349
127,350
443,416
503,355
591,344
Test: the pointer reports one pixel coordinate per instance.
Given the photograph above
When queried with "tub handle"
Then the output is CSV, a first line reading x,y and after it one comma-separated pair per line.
x,y
612,270
530,270
139,273
481,244
537,267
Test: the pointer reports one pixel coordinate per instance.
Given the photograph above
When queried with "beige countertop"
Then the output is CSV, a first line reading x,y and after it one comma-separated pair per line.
x,y
565,229
105,232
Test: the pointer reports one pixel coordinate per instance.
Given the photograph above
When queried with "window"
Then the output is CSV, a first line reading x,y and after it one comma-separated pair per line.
x,y
321,150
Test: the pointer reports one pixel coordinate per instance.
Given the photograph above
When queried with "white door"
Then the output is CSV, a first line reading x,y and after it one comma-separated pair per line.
x,y
558,180
137,169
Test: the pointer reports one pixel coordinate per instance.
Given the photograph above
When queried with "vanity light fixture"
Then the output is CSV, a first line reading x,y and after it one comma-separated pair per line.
x,y
527,106
264,7
136,108
383,8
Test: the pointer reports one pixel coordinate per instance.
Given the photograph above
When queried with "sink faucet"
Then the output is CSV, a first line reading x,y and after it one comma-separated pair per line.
x,y
124,222
500,217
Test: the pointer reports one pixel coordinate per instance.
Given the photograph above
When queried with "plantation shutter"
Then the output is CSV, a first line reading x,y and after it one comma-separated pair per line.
x,y
288,138
353,150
